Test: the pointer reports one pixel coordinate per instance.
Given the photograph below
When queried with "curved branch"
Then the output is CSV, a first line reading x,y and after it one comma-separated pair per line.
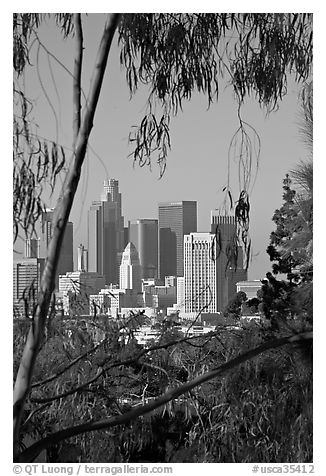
x,y
34,450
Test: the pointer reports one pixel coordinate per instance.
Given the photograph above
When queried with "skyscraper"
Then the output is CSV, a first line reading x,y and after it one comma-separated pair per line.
x,y
200,273
130,270
26,276
82,258
106,233
66,259
143,234
32,248
228,272
175,219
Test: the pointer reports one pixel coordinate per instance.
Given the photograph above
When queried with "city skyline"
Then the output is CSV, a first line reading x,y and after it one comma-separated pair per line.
x,y
197,166
133,231
209,275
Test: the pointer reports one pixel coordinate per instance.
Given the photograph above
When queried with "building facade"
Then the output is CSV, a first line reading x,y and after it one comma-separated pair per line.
x,y
200,273
66,258
229,271
175,219
130,269
26,285
82,258
143,233
32,248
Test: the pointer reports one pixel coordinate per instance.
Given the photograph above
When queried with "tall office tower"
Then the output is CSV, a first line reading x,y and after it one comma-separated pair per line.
x,y
106,233
27,277
130,269
66,259
175,219
228,273
200,273
82,258
32,248
112,195
143,234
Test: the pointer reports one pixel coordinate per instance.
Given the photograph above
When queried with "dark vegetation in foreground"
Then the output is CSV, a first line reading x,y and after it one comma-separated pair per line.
x,y
259,411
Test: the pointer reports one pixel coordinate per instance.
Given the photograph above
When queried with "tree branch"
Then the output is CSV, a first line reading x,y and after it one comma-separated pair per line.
x,y
103,369
77,76
34,450
61,215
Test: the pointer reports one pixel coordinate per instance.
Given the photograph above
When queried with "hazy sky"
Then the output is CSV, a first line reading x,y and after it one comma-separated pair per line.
x,y
197,163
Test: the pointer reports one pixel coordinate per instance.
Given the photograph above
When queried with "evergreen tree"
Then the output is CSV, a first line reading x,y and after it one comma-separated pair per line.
x,y
233,308
284,262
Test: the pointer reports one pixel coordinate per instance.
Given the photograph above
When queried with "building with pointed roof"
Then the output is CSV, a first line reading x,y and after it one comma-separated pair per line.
x,y
130,269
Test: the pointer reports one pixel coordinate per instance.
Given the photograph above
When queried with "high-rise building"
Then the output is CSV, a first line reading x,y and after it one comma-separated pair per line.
x,y
32,248
200,273
130,270
82,258
229,272
210,277
106,233
66,259
143,234
27,277
175,219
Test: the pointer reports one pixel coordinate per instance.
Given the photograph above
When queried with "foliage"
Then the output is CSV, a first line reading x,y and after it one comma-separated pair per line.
x,y
177,54
283,218
291,242
276,298
250,307
233,307
301,242
259,412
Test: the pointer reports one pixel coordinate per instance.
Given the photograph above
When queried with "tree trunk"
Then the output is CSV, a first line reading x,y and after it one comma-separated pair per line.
x,y
61,215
